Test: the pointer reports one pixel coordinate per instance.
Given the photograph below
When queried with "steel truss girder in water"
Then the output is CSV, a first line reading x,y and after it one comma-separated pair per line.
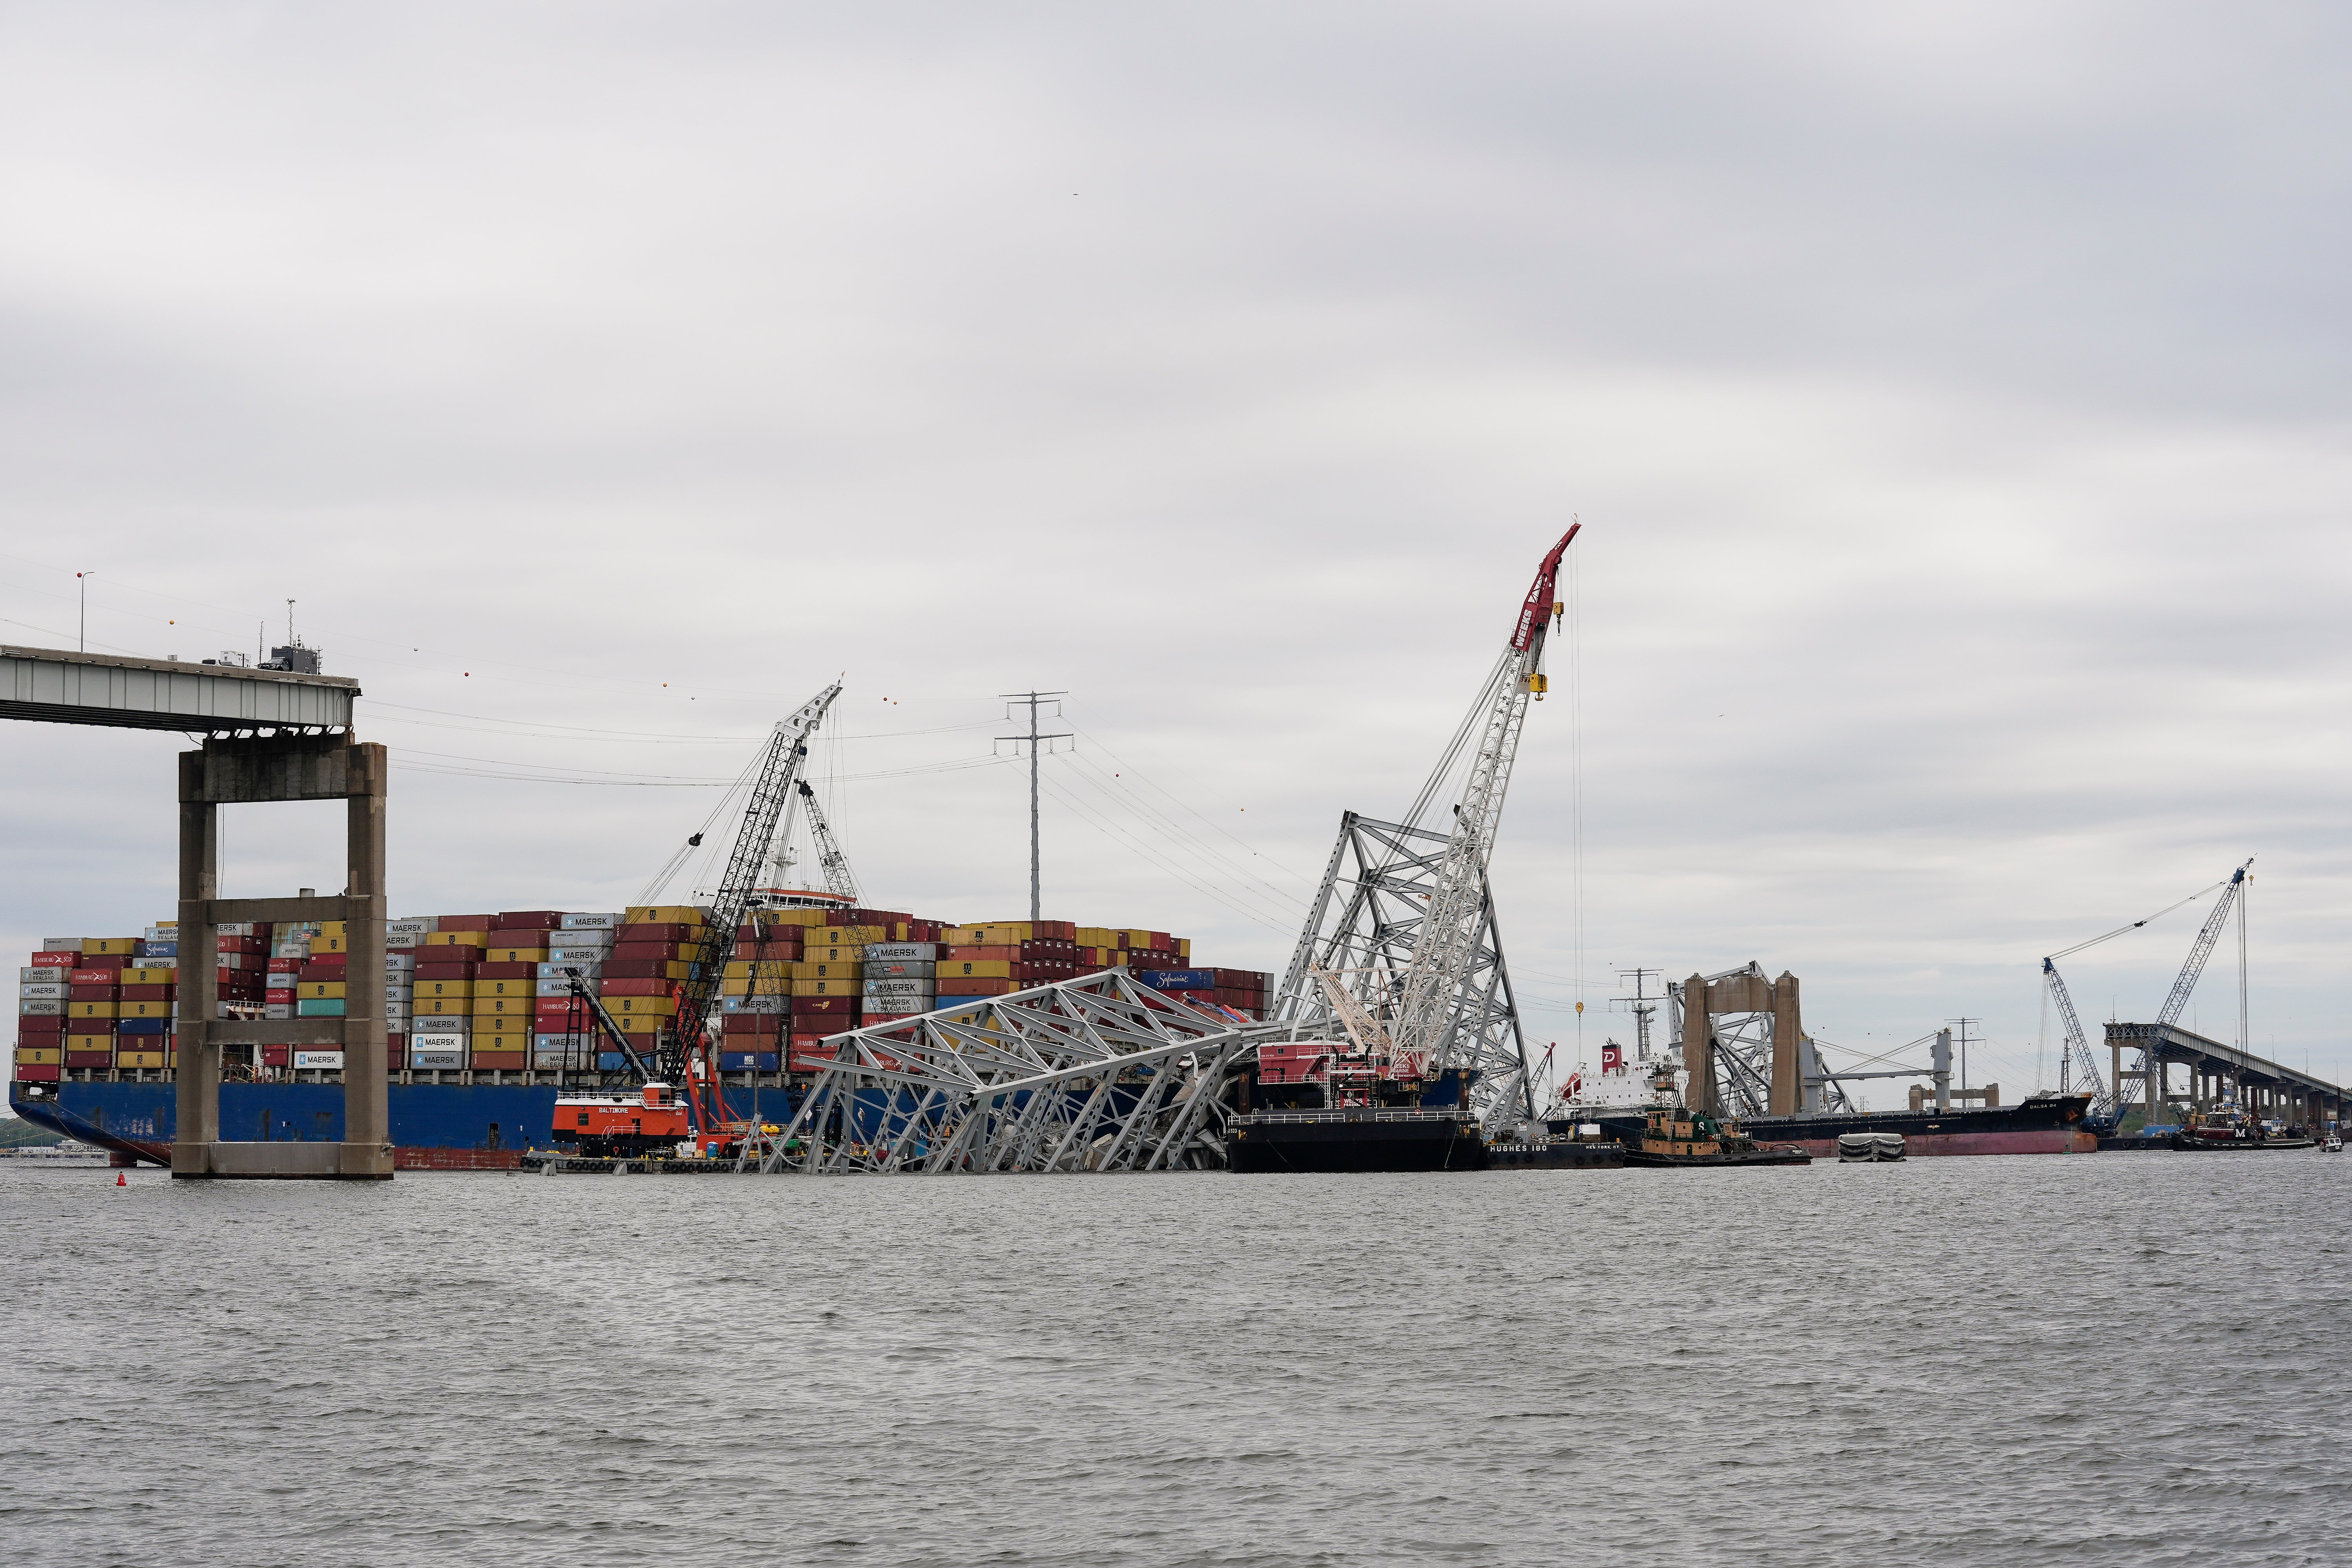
x,y
1093,1074
1365,918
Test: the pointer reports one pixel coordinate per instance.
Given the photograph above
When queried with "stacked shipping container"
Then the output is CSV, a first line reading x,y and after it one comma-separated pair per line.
x,y
492,992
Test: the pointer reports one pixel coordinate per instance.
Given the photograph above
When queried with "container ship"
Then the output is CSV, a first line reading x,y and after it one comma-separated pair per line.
x,y
486,1037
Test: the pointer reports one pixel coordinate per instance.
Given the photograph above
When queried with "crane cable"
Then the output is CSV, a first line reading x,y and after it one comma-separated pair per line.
x,y
2136,925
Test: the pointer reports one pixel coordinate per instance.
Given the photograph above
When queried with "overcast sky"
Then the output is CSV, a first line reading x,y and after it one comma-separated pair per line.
x,y
1955,400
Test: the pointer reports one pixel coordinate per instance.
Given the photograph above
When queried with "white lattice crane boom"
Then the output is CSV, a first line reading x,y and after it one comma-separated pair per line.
x,y
1447,943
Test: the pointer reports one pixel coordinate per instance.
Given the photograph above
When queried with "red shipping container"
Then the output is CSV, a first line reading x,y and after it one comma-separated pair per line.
x,y
39,1074
641,952
867,1020
439,971
44,1026
464,922
284,966
67,960
507,972
639,969
241,944
527,920
149,993
89,1025
830,1006
105,961
556,1007
276,1055
765,1023
317,971
93,993
970,987
449,952
89,1059
286,995
633,985
500,1061
668,933
91,976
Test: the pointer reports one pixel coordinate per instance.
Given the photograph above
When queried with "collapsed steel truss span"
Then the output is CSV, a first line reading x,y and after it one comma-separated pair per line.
x,y
1368,914
1093,1074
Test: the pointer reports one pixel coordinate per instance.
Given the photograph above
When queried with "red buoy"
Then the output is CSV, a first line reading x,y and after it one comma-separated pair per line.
x,y
121,1180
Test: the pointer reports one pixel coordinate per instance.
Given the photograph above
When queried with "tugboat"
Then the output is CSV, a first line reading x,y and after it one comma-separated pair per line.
x,y
2228,1129
1673,1134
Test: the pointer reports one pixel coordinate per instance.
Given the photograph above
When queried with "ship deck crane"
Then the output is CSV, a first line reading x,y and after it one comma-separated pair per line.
x,y
780,769
1447,941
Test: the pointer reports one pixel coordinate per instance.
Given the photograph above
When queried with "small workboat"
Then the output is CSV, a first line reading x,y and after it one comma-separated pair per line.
x,y
1869,1148
2332,1143
1674,1135
2227,1128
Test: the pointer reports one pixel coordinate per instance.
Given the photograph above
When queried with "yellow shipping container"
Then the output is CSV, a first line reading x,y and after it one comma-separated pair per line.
x,y
828,969
456,939
974,969
323,943
145,1009
827,987
506,987
151,976
316,990
641,1006
848,952
93,1009
441,1007
129,1061
1095,936
334,928
848,936
517,956
40,1056
489,1006
107,944
662,915
792,917
1184,947
646,1023
997,933
435,988
504,1023
739,967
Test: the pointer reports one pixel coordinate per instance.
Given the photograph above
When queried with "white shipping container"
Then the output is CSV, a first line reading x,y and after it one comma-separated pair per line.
x,y
319,1062
410,925
38,975
591,922
163,933
399,961
921,952
61,944
158,961
429,1036
272,1010
235,927
41,991
438,1060
31,1009
554,969
571,952
291,949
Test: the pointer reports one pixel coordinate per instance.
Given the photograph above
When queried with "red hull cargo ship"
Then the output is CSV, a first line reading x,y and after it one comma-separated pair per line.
x,y
2043,1124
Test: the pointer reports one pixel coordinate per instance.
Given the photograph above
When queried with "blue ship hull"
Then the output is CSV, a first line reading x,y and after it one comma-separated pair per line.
x,y
432,1125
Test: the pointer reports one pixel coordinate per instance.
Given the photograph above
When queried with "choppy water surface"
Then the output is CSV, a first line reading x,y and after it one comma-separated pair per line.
x,y
2115,1359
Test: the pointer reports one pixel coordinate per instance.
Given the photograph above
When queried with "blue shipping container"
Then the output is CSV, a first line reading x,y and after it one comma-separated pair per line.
x,y
1179,979
749,1061
143,1026
320,1007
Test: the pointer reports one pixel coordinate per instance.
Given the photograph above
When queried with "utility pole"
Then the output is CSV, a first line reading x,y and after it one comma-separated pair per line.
x,y
1031,699
82,641
1963,1025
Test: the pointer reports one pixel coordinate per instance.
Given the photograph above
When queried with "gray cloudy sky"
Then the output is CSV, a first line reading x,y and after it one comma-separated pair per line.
x,y
1955,398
